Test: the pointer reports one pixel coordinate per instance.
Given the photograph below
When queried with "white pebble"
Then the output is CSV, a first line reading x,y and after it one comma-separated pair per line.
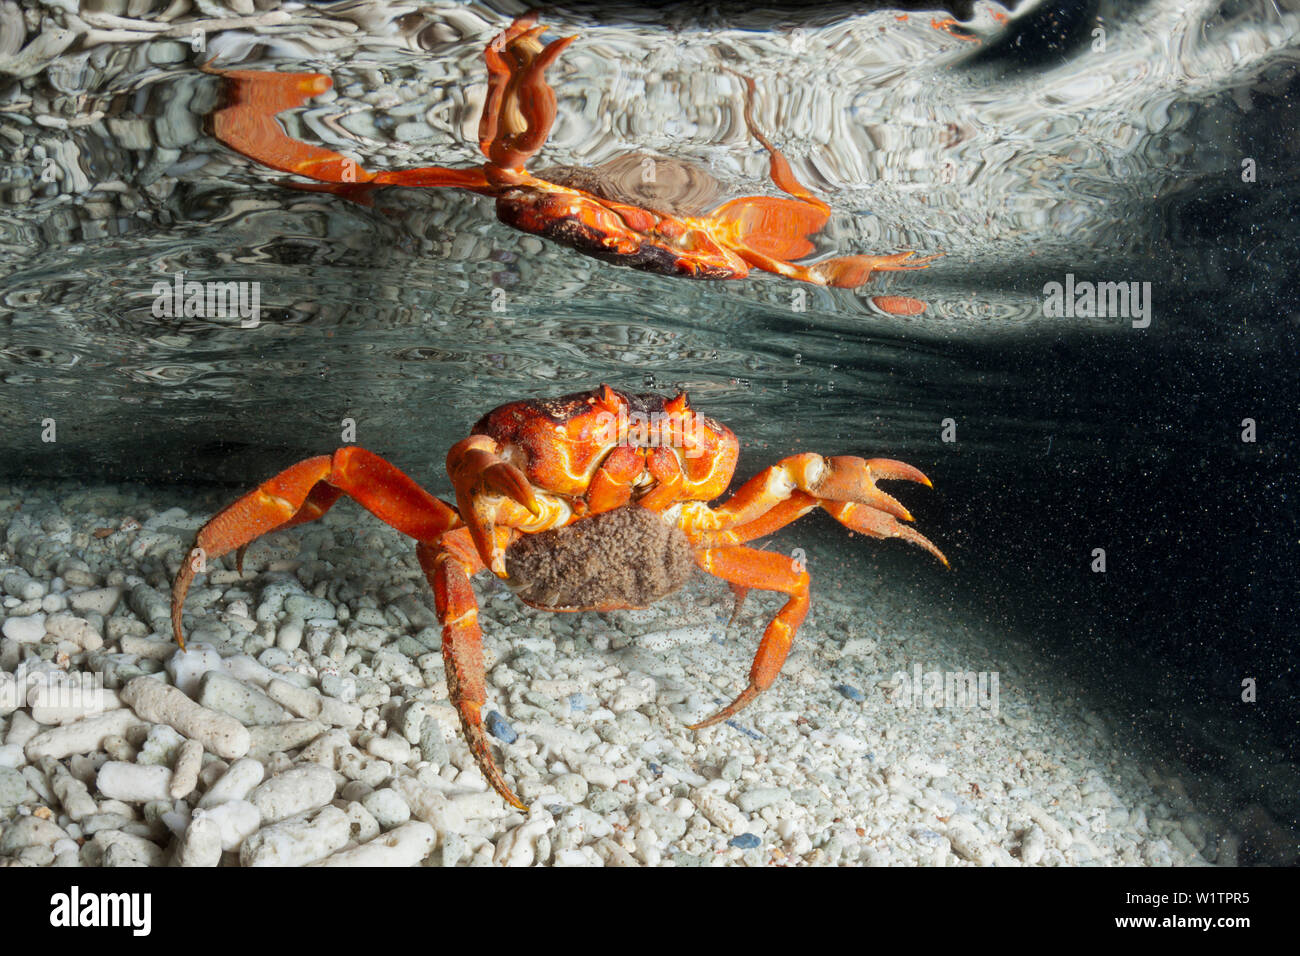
x,y
599,774
753,800
201,845
10,698
73,795
81,737
220,692
720,812
571,787
235,784
247,669
185,774
187,667
663,640
638,691
69,627
430,805
297,789
298,841
406,845
387,807
519,846
392,748
236,819
133,782
154,701
25,630
1032,846
101,600
64,703
22,586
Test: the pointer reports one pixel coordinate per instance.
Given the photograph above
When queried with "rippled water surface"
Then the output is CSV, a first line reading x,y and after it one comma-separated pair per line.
x,y
1148,142
1021,157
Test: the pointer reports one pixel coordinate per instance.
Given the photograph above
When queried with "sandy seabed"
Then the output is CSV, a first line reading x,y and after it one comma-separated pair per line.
x,y
321,666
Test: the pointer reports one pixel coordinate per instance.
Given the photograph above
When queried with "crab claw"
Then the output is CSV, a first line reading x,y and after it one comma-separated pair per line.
x,y
867,520
478,474
846,487
846,478
849,272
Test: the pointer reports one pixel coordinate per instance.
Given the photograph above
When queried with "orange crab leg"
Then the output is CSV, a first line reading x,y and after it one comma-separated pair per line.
x,y
378,486
840,478
778,516
462,653
320,499
749,568
842,272
248,125
772,228
517,118
520,108
767,231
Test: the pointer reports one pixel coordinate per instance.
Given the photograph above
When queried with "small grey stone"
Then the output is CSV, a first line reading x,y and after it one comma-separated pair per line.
x,y
305,606
758,798
387,807
604,801
13,788
249,706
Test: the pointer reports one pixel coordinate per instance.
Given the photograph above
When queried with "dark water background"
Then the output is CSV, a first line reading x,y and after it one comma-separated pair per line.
x,y
1023,158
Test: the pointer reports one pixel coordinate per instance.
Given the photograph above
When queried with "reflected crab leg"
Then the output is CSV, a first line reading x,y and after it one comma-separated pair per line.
x,y
750,568
380,487
248,125
767,231
520,107
841,272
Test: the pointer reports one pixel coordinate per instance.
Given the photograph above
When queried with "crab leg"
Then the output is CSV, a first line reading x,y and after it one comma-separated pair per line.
x,y
666,470
248,125
778,516
520,108
867,520
290,497
449,565
840,478
842,272
319,500
611,485
748,568
767,232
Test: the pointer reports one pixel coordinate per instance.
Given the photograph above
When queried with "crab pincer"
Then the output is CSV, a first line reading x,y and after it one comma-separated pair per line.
x,y
480,477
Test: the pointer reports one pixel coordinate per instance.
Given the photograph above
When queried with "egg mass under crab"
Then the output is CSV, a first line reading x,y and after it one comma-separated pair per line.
x,y
628,557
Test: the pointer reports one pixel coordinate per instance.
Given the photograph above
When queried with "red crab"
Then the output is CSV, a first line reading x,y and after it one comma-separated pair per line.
x,y
589,210
591,501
